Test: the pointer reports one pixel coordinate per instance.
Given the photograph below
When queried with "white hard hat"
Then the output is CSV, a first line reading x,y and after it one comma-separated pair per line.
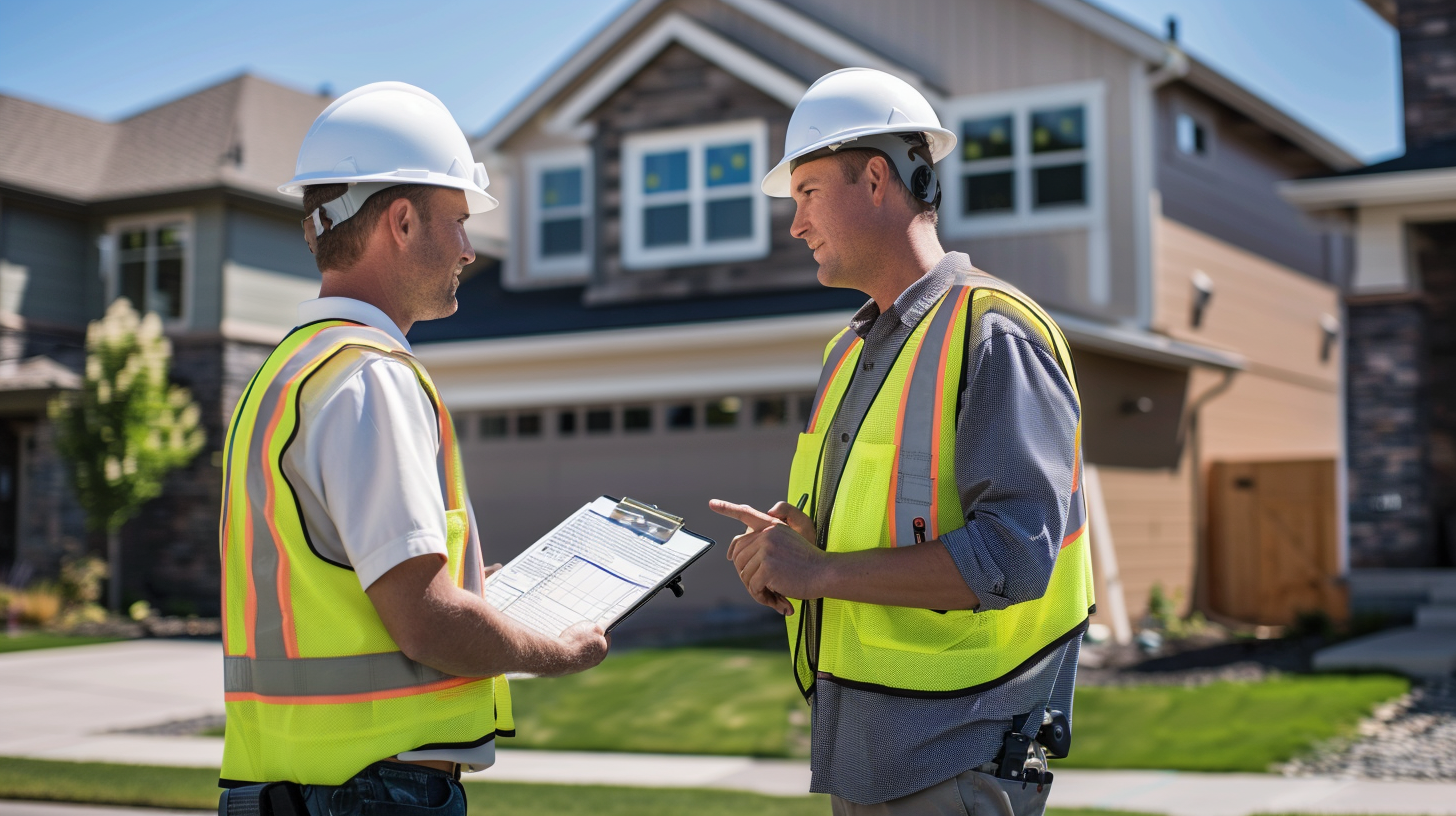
x,y
385,134
851,103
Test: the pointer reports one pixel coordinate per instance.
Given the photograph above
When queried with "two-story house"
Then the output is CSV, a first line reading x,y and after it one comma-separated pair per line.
x,y
176,208
649,327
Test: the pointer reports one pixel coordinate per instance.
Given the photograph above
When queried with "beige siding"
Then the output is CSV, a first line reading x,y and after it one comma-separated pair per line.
x,y
1286,406
1151,513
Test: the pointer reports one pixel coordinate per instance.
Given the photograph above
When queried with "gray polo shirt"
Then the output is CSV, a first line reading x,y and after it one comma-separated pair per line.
x,y
1015,451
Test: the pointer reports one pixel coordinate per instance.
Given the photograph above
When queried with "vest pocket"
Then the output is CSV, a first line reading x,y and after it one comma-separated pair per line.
x,y
804,471
923,631
861,505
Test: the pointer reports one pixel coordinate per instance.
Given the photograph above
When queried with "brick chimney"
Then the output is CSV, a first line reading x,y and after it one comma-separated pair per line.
x,y
1428,69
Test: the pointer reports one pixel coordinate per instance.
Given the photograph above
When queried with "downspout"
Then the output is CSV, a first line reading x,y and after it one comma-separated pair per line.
x,y
1199,584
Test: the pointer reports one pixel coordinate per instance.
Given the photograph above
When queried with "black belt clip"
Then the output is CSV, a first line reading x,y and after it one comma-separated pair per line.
x,y
268,799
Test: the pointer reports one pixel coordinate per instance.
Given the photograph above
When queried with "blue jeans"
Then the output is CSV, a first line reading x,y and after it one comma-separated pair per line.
x,y
389,788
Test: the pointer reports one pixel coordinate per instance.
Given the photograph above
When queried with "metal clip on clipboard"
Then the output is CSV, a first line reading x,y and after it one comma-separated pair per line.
x,y
653,523
647,519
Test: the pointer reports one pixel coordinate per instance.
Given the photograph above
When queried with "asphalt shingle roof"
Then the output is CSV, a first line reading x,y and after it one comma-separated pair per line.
x,y
242,133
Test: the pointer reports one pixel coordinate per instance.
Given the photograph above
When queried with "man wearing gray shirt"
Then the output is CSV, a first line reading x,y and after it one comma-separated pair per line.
x,y
946,417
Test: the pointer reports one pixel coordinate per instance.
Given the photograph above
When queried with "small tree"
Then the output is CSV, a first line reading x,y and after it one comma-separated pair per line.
x,y
126,427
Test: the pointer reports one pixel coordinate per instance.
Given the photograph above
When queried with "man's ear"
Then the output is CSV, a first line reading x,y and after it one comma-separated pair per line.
x,y
877,173
403,219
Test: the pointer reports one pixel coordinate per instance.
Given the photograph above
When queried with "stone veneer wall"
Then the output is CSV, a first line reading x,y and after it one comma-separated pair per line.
x,y
1390,522
1428,67
170,549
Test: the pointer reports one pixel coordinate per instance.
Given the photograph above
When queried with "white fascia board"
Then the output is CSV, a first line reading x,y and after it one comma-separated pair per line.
x,y
563,76
478,394
816,37
1206,79
653,340
1407,187
1143,346
677,28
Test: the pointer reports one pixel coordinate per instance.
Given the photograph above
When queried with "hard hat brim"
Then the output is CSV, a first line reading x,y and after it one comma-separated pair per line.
x,y
777,182
476,199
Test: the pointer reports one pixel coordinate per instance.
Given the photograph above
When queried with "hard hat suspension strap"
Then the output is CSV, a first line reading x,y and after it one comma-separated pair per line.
x,y
909,156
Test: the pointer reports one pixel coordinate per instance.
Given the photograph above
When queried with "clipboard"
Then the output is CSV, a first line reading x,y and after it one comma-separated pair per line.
x,y
602,563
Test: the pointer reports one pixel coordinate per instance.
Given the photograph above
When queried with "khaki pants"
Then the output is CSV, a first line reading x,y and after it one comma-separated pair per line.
x,y
970,794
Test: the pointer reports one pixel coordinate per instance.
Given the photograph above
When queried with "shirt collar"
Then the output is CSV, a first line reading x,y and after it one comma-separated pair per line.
x,y
918,297
342,308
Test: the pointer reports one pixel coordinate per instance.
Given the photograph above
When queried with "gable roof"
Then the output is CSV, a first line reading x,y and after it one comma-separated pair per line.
x,y
844,51
242,133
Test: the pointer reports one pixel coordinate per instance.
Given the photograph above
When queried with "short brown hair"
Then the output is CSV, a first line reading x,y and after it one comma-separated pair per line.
x,y
853,163
341,245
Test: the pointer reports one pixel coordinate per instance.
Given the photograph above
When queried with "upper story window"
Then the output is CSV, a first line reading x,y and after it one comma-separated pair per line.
x,y
559,220
1190,135
691,196
151,265
1027,160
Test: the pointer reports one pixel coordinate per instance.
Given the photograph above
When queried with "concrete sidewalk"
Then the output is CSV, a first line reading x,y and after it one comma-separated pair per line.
x,y
61,704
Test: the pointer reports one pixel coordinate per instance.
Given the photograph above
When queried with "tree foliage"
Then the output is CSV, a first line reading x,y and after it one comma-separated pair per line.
x,y
127,426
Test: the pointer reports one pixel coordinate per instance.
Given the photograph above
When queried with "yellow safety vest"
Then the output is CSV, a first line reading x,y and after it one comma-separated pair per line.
x,y
898,488
315,689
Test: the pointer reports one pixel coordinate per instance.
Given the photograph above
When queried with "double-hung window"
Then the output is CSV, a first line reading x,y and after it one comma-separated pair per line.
x,y
150,264
1027,160
558,202
691,196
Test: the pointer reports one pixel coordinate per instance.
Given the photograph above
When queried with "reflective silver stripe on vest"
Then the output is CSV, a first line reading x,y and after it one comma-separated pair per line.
x,y
272,672
268,626
915,481
325,676
842,345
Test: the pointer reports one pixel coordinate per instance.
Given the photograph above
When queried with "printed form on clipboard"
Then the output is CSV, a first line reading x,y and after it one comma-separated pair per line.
x,y
601,564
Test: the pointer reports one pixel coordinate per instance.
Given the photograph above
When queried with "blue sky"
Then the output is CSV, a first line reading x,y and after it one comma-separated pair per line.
x,y
1331,63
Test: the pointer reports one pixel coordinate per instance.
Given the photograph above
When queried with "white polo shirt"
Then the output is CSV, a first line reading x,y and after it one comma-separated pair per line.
x,y
364,468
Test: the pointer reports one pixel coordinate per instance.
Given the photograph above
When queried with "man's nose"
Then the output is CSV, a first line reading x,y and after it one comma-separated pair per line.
x,y
800,227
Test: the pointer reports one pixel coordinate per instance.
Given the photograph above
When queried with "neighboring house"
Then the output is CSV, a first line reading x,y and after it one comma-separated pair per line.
x,y
649,327
1401,345
175,208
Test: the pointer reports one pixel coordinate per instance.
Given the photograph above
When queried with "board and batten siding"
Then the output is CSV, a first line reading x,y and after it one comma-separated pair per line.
x,y
44,266
268,271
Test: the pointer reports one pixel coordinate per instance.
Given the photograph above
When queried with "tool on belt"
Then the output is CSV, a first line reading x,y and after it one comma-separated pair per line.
x,y
1019,762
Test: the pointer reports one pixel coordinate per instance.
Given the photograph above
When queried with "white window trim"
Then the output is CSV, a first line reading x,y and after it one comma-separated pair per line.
x,y
111,259
562,268
698,250
1025,220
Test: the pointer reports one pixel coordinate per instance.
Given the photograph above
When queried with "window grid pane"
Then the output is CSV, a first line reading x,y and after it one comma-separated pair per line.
x,y
1058,129
637,418
989,193
665,172
1060,185
728,164
730,219
493,426
665,226
561,188
562,237
682,417
599,421
988,138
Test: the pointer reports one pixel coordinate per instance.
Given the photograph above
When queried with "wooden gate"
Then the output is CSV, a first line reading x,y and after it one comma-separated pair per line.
x,y
1273,541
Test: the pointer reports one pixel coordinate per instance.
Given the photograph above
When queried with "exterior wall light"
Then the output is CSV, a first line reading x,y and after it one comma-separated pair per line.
x,y
1330,326
1202,294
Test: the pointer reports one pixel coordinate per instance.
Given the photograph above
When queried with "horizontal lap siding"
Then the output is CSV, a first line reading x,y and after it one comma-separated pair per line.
x,y
1151,516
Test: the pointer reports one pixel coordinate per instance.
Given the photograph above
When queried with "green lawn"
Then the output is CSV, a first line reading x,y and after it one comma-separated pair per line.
x,y
1221,726
37,640
98,783
697,701
742,701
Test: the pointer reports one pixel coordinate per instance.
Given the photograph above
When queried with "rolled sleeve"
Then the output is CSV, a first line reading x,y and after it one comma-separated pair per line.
x,y
1015,456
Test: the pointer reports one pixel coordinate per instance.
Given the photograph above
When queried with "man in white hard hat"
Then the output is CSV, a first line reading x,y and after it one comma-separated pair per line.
x,y
363,669
931,560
